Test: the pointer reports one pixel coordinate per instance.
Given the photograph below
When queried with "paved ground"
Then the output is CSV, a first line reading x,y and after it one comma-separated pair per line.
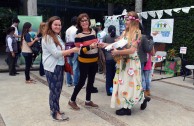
x,y
27,104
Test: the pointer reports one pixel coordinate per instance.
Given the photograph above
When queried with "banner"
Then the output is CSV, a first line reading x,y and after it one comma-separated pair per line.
x,y
112,21
93,23
162,30
34,20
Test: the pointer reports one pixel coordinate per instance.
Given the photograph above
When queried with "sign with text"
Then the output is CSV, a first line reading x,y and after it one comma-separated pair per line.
x,y
183,50
162,30
112,21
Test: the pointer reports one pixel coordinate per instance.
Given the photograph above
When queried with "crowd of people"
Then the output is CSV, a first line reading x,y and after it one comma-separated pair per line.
x,y
127,69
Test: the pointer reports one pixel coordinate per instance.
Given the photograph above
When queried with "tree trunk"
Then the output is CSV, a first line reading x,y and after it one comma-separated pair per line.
x,y
110,9
32,7
138,5
25,11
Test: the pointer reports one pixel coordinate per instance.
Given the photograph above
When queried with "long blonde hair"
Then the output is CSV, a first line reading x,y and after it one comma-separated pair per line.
x,y
42,28
132,32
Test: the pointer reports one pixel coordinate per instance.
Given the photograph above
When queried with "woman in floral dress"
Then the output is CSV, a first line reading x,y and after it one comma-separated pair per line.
x,y
127,88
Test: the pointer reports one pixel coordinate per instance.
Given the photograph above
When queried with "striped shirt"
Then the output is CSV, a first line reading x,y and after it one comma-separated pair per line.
x,y
86,54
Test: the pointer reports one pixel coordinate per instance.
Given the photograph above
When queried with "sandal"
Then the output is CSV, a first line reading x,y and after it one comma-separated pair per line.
x,y
51,113
61,118
30,82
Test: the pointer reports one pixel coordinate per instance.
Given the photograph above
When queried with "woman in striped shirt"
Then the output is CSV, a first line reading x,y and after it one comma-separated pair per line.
x,y
88,56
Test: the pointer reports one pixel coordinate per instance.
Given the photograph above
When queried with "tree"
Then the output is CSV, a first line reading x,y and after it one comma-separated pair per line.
x,y
138,5
111,3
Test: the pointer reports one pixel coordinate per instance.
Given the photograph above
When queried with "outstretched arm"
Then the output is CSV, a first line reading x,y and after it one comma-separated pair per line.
x,y
133,46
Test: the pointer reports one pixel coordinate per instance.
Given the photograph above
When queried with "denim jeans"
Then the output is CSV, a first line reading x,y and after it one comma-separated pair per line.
x,y
110,73
73,61
146,82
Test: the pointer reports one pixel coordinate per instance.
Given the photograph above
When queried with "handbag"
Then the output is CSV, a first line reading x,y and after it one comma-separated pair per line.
x,y
102,60
67,67
36,47
69,45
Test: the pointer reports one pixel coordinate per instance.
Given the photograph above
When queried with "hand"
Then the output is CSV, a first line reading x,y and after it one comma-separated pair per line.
x,y
93,45
117,39
76,49
114,52
102,45
36,39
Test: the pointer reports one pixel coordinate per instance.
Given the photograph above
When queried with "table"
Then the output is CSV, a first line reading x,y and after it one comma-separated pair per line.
x,y
191,67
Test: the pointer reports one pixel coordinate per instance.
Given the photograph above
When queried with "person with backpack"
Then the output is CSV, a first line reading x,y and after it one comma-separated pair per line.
x,y
27,42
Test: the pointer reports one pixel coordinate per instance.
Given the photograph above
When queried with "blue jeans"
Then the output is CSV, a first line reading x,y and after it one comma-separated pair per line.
x,y
110,73
146,82
73,61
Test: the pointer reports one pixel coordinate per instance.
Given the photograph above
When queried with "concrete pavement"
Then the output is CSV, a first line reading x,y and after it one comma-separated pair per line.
x,y
27,104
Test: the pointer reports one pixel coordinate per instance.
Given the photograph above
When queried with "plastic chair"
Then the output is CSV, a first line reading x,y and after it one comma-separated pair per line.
x,y
163,55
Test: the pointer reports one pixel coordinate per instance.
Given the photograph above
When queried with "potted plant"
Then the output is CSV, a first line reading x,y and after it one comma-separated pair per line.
x,y
170,64
171,54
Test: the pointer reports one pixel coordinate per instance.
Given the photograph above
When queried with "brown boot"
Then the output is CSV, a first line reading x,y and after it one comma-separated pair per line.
x,y
148,92
91,104
145,93
74,105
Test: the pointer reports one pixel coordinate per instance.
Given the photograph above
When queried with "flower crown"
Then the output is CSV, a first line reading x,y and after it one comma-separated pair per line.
x,y
131,18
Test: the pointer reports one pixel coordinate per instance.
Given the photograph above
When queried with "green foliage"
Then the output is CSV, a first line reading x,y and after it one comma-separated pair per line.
x,y
171,54
183,23
6,16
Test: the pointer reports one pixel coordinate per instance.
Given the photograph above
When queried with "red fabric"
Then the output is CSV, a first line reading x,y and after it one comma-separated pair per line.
x,y
85,43
148,65
67,67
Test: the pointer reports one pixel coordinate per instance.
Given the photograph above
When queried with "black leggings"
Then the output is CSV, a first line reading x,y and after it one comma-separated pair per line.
x,y
28,63
86,70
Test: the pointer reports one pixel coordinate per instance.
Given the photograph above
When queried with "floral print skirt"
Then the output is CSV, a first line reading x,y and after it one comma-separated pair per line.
x,y
127,88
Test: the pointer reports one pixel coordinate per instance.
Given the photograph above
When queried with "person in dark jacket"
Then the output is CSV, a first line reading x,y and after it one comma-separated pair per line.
x,y
39,35
145,47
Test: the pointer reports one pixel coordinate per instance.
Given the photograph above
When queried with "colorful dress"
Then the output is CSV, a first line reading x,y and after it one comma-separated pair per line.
x,y
127,88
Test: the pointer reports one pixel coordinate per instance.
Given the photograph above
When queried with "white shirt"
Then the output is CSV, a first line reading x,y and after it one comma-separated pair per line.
x,y
52,54
100,35
70,34
9,42
16,31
